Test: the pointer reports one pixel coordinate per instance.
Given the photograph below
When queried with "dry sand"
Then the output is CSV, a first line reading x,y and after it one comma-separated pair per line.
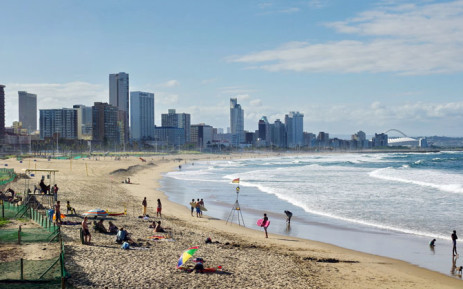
x,y
248,259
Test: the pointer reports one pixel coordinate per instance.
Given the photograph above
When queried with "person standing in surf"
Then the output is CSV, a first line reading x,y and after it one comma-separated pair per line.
x,y
454,240
264,223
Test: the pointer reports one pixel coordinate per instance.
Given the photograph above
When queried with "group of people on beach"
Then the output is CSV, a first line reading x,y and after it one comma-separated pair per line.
x,y
144,204
197,206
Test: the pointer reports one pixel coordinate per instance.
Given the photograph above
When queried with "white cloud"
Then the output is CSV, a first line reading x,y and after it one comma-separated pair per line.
x,y
403,39
165,98
290,10
256,102
170,83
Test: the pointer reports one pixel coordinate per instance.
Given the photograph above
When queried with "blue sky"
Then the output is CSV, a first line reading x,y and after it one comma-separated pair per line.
x,y
347,65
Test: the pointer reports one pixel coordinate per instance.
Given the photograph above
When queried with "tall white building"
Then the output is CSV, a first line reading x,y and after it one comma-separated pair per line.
x,y
236,122
294,122
142,115
28,110
119,97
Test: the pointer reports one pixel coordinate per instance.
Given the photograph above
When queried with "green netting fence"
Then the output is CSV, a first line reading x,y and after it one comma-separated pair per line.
x,y
47,232
6,176
24,273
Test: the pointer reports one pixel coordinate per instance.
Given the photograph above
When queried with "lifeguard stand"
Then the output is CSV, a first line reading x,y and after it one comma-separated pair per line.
x,y
49,178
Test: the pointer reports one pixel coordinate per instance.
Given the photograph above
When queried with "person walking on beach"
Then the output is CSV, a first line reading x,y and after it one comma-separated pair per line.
x,y
159,209
144,204
454,240
198,209
201,206
193,206
264,223
86,232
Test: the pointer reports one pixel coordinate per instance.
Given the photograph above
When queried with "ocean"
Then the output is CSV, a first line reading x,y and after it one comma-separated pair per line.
x,y
389,204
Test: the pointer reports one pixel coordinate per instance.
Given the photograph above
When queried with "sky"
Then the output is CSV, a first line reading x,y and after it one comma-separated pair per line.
x,y
346,65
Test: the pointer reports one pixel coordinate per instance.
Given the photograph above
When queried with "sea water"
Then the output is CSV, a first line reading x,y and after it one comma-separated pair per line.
x,y
380,203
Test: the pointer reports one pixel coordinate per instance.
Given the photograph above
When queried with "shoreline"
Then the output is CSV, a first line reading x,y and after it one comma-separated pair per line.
x,y
289,241
248,258
384,242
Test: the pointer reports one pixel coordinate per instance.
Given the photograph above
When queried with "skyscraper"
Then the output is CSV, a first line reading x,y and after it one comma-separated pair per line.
x,y
119,97
142,115
105,127
294,122
2,113
61,123
28,110
178,120
279,134
264,131
236,122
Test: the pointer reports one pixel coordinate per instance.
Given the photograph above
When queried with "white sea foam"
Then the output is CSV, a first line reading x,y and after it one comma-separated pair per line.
x,y
424,179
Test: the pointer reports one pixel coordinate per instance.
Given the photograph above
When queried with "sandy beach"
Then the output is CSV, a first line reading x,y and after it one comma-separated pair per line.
x,y
248,259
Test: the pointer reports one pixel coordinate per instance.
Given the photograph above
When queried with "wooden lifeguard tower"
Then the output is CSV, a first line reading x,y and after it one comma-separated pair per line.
x,y
31,195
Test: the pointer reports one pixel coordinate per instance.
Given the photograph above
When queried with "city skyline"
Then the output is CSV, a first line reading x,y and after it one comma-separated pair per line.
x,y
368,66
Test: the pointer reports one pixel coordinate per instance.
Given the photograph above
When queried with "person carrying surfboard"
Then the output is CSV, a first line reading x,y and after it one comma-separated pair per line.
x,y
264,223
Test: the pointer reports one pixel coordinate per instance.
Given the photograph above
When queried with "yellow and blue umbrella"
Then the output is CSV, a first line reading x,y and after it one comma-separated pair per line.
x,y
187,254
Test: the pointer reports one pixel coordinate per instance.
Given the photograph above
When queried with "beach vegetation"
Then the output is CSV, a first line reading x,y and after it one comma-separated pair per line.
x,y
3,222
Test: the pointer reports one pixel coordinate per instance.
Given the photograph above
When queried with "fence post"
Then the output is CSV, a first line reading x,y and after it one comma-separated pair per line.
x,y
22,269
19,236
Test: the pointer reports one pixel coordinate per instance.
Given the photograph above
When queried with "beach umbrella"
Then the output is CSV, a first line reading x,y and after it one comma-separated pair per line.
x,y
187,254
96,213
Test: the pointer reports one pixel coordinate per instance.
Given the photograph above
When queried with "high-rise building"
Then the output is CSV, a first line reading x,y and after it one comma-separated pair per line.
x,y
58,123
236,122
170,135
294,122
178,120
28,110
264,135
380,140
202,135
142,115
105,127
2,113
119,97
84,121
279,134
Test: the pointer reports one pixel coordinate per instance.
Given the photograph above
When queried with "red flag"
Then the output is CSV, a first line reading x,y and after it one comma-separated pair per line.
x,y
236,181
